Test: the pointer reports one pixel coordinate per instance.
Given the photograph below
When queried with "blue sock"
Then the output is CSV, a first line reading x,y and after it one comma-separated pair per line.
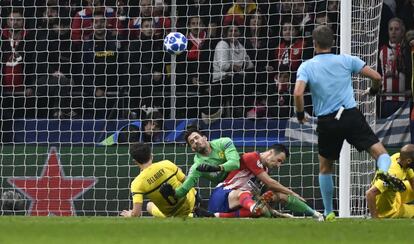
x,y
327,187
384,162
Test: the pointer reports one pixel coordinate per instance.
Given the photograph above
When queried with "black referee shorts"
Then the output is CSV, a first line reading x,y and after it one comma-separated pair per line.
x,y
352,127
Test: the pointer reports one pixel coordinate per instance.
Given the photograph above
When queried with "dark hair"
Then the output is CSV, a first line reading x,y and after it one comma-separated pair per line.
x,y
279,148
323,36
191,130
140,152
226,28
18,10
153,116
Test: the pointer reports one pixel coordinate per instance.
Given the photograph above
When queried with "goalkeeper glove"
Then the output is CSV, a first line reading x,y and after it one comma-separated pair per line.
x,y
167,190
208,168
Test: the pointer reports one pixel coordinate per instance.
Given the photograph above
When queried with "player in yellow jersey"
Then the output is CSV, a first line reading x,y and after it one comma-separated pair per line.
x,y
148,182
383,202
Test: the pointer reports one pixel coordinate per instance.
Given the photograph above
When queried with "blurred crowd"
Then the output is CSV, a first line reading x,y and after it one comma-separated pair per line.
x,y
104,59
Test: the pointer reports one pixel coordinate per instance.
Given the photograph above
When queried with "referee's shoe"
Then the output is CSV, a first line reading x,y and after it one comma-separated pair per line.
x,y
393,182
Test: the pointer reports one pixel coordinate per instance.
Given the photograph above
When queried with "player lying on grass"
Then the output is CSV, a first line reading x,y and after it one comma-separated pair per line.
x,y
233,197
148,183
384,201
221,155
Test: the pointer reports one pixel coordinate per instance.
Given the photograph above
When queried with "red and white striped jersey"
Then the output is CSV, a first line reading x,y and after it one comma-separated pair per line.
x,y
394,78
250,167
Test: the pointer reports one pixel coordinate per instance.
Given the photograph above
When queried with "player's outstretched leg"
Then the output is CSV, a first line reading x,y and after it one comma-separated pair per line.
x,y
295,205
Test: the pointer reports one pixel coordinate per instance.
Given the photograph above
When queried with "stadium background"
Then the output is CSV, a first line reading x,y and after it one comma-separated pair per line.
x,y
31,132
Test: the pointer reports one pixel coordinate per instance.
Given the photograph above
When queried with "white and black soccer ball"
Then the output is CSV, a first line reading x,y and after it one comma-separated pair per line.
x,y
175,43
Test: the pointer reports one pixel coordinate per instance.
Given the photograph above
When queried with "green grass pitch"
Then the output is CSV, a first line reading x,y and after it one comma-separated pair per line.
x,y
71,230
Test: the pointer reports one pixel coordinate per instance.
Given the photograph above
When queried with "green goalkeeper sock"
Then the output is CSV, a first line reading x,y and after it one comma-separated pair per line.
x,y
297,206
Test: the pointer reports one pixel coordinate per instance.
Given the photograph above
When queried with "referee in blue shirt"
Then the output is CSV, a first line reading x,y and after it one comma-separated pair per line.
x,y
329,79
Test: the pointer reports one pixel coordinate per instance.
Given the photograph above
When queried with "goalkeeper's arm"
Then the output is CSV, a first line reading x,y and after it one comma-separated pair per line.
x,y
190,181
371,195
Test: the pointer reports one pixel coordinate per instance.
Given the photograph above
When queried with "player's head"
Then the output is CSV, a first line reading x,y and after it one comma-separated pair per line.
x,y
323,37
274,156
407,156
152,125
197,140
140,152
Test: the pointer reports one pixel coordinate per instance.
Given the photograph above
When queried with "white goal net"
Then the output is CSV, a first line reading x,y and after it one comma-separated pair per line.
x,y
81,78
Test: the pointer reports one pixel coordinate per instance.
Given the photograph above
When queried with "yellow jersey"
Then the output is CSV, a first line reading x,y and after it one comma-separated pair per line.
x,y
148,182
389,201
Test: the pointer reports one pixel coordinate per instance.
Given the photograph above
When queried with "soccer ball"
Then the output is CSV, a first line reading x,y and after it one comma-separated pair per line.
x,y
175,43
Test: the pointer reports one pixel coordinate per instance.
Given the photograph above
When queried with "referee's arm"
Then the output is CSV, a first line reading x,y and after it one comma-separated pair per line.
x,y
374,76
300,86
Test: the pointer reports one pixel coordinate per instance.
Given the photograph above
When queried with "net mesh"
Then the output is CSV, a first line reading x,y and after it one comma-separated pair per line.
x,y
77,72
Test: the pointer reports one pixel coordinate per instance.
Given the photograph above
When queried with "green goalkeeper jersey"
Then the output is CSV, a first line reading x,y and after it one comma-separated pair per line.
x,y
223,152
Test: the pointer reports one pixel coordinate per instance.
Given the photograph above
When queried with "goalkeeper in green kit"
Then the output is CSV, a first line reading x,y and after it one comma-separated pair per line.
x,y
213,161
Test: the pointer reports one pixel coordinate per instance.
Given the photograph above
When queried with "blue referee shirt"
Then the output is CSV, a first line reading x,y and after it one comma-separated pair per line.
x,y
329,79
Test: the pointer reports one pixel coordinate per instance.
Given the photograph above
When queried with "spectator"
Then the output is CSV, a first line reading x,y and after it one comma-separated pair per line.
x,y
17,52
162,24
53,59
17,75
392,68
188,69
209,11
239,11
82,24
146,67
290,49
189,62
257,45
147,10
258,50
102,67
280,102
205,71
232,69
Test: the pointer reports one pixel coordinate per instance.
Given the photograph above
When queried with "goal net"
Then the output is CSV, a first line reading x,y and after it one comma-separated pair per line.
x,y
80,79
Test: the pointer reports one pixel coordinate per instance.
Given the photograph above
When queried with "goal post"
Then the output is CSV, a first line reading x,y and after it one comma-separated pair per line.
x,y
360,23
345,155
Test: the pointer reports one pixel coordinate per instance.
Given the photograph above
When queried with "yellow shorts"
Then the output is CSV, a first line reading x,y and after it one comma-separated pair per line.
x,y
183,210
395,206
